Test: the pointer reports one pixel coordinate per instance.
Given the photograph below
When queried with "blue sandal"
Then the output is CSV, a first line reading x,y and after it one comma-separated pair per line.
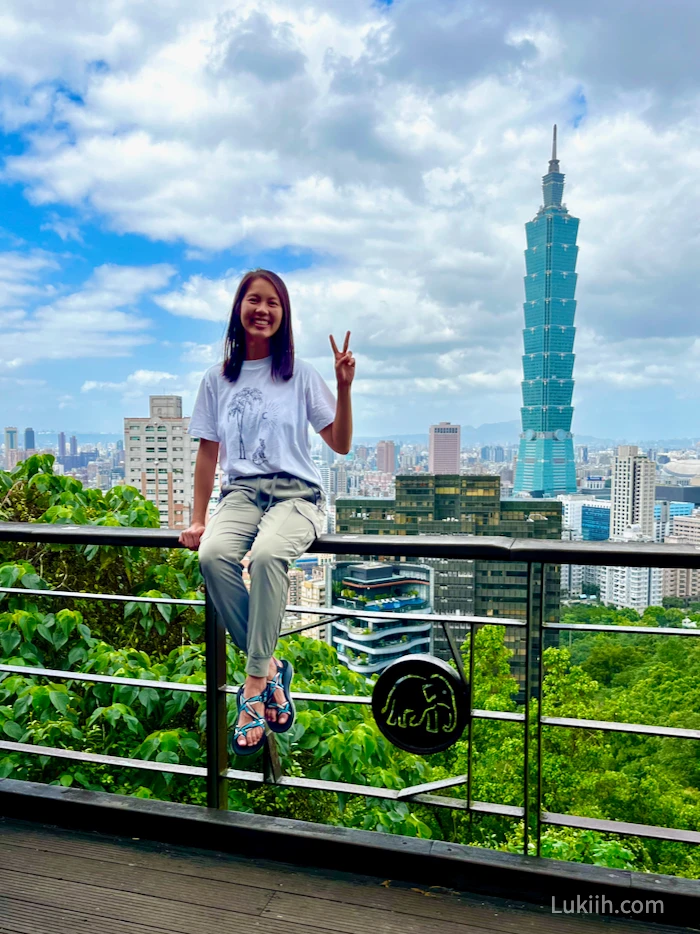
x,y
245,704
283,680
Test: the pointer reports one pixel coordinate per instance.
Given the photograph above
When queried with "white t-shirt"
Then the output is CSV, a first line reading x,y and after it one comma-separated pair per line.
x,y
261,424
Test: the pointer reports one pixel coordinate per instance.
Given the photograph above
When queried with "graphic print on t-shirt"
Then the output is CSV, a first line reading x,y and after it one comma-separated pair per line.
x,y
255,421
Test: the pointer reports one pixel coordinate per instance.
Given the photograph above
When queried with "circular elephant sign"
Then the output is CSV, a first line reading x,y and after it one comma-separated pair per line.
x,y
421,704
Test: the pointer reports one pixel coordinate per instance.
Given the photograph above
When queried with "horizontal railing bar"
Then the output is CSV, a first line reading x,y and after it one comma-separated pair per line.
x,y
331,698
431,786
314,625
621,827
505,810
636,630
411,617
104,679
612,726
109,597
464,547
319,784
146,764
498,715
230,689
368,791
337,613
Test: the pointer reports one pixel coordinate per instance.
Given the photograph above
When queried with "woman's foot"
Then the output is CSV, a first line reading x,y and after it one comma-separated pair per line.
x,y
251,687
271,713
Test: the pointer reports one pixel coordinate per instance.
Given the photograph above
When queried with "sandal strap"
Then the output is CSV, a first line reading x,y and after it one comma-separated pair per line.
x,y
245,706
242,730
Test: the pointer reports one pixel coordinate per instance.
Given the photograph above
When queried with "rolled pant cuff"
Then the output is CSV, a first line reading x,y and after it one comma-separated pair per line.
x,y
257,666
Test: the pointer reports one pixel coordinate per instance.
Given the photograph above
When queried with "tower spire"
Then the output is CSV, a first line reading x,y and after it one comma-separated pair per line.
x,y
554,162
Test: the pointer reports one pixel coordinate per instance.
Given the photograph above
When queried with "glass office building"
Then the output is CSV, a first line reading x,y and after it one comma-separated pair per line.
x,y
546,465
595,522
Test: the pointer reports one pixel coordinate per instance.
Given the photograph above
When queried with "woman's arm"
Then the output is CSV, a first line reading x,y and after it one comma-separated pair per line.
x,y
338,435
204,473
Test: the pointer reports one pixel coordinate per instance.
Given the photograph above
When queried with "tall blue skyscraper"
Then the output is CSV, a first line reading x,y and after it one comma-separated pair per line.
x,y
546,454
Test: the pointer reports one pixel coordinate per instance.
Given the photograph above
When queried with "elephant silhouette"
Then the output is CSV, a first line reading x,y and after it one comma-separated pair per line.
x,y
419,702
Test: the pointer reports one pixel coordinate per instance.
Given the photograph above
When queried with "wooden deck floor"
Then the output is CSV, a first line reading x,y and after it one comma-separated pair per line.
x,y
55,881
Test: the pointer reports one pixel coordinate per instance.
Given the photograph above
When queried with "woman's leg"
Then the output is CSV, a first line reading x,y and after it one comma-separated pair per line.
x,y
226,540
285,532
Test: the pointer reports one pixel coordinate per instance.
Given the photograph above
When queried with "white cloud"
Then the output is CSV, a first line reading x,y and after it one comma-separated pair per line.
x,y
65,227
401,147
96,320
141,379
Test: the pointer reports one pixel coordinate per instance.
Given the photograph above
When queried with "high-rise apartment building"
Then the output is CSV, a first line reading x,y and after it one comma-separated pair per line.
x,y
29,440
61,444
296,579
160,459
683,582
386,456
632,492
545,465
11,448
444,448
73,446
635,588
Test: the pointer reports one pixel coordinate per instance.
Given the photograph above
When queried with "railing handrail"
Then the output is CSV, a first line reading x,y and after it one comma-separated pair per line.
x,y
466,547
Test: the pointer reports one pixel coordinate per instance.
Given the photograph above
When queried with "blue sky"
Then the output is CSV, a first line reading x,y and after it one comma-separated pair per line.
x,y
383,158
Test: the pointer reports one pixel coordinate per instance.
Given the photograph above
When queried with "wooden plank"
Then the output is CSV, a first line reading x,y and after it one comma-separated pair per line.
x,y
353,889
140,880
176,917
359,890
320,913
353,919
20,917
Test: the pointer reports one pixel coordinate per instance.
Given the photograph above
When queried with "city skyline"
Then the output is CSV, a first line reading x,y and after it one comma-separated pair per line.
x,y
390,196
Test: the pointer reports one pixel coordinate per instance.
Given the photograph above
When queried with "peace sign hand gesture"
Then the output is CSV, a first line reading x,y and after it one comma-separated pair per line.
x,y
344,362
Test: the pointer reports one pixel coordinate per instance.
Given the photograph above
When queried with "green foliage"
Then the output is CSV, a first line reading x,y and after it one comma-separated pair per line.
x,y
619,677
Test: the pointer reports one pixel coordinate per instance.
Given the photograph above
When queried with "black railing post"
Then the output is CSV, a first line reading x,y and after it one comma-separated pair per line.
x,y
532,758
540,691
217,751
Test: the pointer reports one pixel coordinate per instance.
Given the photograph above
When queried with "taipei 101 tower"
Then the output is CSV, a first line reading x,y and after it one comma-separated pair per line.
x,y
546,454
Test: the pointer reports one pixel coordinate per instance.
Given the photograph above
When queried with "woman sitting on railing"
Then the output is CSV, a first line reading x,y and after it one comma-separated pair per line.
x,y
253,413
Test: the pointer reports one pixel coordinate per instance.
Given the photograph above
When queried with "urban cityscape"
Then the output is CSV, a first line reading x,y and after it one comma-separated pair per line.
x,y
349,466
544,487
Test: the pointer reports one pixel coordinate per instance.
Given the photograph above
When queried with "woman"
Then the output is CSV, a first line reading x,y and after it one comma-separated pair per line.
x,y
252,413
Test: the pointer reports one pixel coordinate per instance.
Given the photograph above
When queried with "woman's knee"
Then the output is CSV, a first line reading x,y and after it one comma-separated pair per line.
x,y
262,556
211,555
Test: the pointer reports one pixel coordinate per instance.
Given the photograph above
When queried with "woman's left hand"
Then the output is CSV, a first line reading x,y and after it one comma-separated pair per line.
x,y
344,362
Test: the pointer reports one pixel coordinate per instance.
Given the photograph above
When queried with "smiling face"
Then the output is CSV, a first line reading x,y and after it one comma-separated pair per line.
x,y
261,311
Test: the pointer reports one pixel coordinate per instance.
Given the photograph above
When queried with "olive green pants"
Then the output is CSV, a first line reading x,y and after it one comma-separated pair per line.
x,y
275,518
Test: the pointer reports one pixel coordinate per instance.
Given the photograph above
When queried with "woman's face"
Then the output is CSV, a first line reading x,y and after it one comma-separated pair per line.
x,y
261,310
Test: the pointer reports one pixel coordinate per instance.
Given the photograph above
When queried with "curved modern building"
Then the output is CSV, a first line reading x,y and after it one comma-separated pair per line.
x,y
366,645
545,465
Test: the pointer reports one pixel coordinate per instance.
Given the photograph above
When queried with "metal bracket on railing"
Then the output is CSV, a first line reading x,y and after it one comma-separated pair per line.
x,y
272,767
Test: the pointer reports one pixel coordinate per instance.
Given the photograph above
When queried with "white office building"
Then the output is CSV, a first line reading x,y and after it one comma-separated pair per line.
x,y
444,448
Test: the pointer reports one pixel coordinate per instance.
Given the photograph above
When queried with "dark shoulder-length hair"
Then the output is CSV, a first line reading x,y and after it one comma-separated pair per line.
x,y
282,342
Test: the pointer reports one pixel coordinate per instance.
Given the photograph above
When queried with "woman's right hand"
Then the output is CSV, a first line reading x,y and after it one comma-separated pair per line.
x,y
190,537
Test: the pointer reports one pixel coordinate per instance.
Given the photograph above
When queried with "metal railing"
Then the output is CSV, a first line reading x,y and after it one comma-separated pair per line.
x,y
535,553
